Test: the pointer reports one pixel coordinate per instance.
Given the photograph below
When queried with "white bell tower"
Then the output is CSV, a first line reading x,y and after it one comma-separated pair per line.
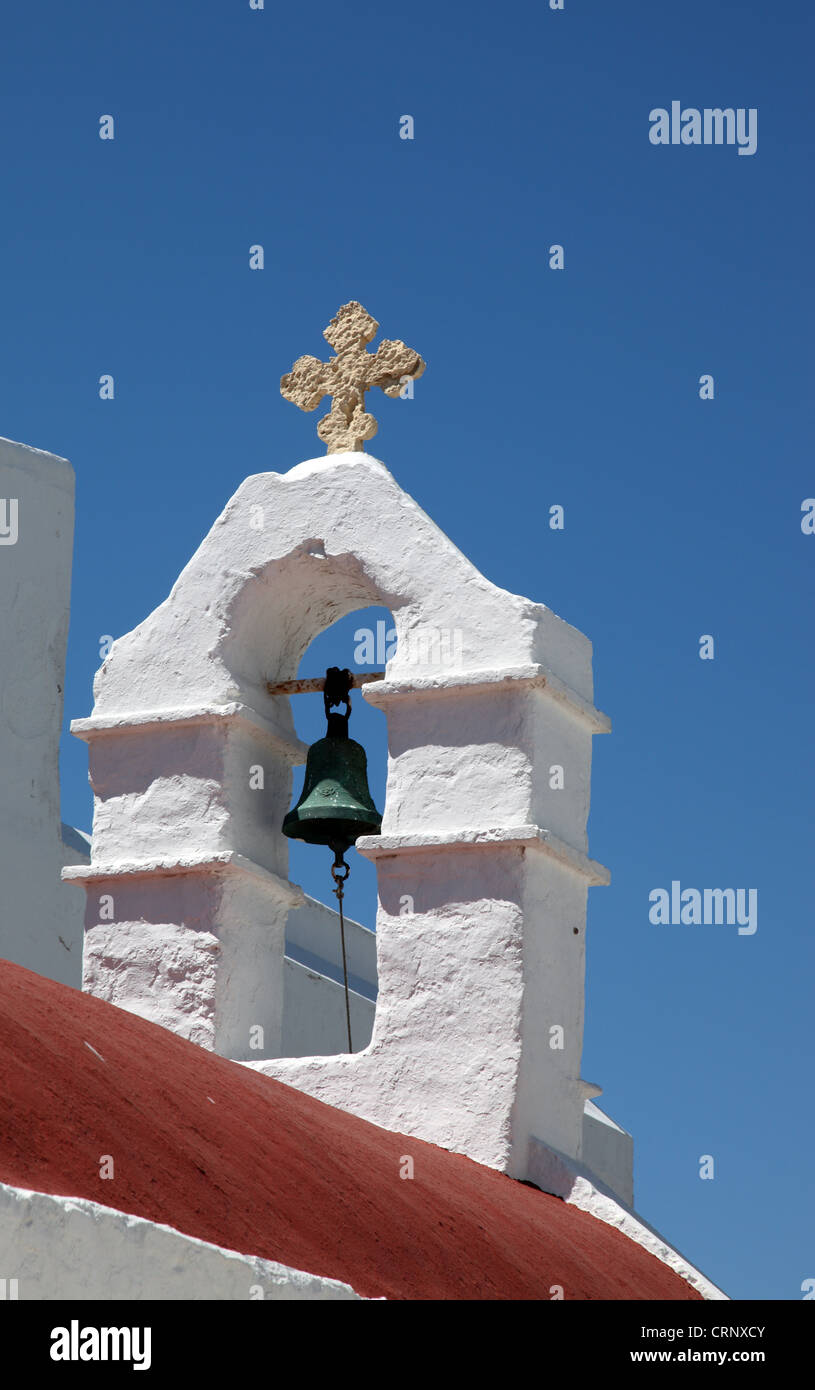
x,y
482,863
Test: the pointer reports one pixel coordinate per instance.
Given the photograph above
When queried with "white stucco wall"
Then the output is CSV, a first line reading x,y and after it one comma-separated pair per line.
x,y
73,1249
608,1151
314,1021
313,938
41,923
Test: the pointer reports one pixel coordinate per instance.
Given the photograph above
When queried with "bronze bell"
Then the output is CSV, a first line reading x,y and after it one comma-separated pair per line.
x,y
335,806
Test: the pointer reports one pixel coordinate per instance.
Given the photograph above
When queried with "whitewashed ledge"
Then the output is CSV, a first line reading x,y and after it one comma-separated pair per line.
x,y
474,682
188,716
498,837
221,861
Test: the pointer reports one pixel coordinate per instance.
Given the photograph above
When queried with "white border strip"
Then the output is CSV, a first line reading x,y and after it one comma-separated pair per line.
x,y
71,1248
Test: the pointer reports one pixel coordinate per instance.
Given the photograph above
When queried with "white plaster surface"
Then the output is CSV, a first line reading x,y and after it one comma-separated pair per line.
x,y
313,938
40,923
314,1021
71,1248
608,1151
482,873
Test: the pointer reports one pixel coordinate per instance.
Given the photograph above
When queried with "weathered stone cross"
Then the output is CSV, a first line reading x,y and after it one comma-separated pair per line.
x,y
347,376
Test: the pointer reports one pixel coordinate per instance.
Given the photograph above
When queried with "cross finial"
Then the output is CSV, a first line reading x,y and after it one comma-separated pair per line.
x,y
347,376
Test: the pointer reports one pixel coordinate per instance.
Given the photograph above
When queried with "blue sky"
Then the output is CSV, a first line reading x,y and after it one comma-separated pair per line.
x,y
682,516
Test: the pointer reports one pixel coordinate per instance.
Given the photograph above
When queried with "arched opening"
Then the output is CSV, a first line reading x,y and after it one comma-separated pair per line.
x,y
314,1018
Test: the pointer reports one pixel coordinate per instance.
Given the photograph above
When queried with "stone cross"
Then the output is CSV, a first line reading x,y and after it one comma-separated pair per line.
x,y
347,376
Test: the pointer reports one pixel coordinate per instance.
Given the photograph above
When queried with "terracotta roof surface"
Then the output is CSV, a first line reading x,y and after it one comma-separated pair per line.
x,y
237,1159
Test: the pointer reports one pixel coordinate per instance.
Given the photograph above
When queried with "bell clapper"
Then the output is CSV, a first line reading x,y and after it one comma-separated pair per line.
x,y
339,880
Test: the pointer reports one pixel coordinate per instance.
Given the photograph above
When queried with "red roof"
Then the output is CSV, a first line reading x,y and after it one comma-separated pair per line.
x,y
237,1159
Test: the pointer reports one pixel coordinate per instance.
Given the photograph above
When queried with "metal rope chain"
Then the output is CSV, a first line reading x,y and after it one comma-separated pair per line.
x,y
340,882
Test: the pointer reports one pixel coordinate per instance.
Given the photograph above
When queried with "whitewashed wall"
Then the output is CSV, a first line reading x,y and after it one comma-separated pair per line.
x,y
41,922
67,1248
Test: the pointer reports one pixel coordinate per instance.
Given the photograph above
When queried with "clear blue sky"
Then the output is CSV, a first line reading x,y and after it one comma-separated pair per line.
x,y
580,387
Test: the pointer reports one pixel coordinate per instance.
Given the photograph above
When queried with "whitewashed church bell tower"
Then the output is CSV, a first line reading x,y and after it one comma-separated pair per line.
x,y
482,861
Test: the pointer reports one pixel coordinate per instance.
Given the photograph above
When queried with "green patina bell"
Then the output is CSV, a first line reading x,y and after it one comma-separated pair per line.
x,y
335,806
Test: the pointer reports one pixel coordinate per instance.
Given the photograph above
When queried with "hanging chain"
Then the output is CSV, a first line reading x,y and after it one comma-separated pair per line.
x,y
339,863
